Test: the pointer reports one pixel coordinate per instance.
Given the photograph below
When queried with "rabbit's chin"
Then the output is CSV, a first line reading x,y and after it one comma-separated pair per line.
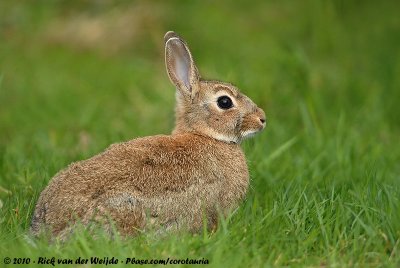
x,y
249,133
235,139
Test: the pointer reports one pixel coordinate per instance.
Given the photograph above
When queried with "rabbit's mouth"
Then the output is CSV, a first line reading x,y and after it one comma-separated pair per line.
x,y
248,133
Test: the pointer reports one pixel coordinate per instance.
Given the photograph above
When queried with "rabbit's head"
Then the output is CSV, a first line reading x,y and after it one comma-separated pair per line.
x,y
210,108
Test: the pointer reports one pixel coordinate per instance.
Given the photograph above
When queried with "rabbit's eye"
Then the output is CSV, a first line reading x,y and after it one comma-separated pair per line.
x,y
224,102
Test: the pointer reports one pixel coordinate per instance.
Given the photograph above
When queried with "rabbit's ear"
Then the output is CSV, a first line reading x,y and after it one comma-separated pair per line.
x,y
180,65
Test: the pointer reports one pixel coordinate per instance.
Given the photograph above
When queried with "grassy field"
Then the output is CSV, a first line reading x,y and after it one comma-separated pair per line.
x,y
76,76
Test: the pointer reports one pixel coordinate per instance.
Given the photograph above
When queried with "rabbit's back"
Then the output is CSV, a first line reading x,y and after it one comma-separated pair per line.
x,y
160,179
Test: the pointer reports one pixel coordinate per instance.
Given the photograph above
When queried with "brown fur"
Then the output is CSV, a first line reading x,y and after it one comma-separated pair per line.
x,y
163,182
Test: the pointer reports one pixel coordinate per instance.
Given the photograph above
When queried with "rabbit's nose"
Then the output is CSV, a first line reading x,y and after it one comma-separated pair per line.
x,y
261,116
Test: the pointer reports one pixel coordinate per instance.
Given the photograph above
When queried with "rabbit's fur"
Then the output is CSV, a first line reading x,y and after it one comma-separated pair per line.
x,y
175,182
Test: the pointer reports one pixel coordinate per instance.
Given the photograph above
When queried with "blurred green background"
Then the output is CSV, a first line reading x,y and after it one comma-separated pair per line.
x,y
76,76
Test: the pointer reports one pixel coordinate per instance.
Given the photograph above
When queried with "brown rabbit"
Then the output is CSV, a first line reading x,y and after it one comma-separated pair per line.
x,y
175,182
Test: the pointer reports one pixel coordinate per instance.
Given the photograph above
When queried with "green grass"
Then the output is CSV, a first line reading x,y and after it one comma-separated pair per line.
x,y
325,174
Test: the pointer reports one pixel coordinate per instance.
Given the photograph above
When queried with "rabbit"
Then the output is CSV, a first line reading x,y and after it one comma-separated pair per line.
x,y
182,181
